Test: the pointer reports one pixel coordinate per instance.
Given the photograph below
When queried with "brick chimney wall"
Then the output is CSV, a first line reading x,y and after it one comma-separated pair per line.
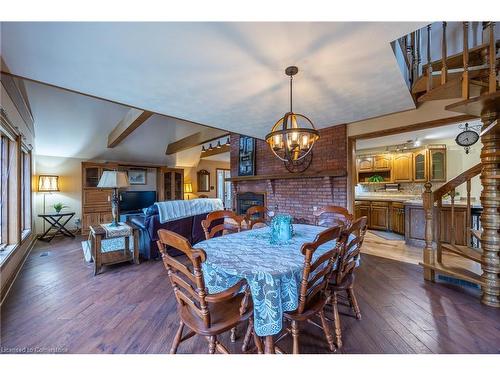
x,y
297,197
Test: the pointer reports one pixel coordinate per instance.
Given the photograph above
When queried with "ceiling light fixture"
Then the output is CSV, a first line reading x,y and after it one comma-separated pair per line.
x,y
218,144
293,136
203,149
210,148
228,143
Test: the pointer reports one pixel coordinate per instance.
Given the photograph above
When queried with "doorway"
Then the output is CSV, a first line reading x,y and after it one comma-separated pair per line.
x,y
224,192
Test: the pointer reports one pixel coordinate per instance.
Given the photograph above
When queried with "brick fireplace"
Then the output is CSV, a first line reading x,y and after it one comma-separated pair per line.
x,y
298,196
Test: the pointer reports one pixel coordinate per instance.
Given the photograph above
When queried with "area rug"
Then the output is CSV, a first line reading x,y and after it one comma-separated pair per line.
x,y
390,236
110,244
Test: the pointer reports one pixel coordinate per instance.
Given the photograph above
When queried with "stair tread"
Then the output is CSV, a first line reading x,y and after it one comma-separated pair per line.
x,y
457,272
465,251
456,60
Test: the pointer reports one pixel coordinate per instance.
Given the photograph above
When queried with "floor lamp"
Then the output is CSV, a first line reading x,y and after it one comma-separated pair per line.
x,y
47,184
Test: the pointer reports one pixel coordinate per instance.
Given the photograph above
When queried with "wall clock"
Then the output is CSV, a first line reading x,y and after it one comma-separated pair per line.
x,y
467,138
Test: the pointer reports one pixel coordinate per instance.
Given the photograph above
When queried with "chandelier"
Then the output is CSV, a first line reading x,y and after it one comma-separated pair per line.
x,y
293,136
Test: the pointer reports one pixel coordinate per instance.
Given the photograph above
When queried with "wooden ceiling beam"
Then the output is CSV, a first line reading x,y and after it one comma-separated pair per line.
x,y
131,121
216,151
196,139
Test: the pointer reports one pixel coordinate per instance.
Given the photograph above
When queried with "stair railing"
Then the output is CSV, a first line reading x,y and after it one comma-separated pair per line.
x,y
433,208
413,44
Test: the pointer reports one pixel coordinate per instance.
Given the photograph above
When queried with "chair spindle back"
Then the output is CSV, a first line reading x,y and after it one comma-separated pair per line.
x,y
189,286
212,229
330,216
349,253
316,275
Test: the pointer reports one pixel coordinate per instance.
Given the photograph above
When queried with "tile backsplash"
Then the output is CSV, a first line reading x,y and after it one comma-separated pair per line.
x,y
405,188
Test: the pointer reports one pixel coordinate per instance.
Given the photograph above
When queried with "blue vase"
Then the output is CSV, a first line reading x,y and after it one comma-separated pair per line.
x,y
281,229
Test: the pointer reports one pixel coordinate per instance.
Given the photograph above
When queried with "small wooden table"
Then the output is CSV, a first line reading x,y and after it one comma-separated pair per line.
x,y
55,222
98,233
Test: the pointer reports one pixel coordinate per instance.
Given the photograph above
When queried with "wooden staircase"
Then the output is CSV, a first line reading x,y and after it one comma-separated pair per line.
x,y
471,77
461,75
433,204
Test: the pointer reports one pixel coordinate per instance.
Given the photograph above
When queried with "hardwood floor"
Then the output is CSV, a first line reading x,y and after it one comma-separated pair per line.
x,y
57,305
398,250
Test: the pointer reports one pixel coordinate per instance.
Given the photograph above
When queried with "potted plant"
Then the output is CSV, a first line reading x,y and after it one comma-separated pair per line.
x,y
59,206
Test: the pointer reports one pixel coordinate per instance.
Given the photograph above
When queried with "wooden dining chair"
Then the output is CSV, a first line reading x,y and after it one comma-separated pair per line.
x,y
330,216
218,223
343,276
256,215
313,292
208,315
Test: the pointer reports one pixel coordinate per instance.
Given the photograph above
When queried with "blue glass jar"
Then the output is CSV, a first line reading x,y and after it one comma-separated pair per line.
x,y
281,229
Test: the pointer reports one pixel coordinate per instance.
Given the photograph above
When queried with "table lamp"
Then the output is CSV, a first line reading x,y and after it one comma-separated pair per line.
x,y
47,184
188,188
113,180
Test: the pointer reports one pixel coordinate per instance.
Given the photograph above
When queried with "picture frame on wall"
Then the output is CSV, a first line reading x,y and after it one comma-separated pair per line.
x,y
246,156
137,176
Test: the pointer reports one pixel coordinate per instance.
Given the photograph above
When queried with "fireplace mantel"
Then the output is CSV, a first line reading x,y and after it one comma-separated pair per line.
x,y
286,176
271,178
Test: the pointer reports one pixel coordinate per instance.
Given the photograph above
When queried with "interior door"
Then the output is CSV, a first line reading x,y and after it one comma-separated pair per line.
x,y
224,188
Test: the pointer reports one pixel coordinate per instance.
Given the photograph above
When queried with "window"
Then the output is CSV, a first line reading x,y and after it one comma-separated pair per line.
x,y
26,192
4,152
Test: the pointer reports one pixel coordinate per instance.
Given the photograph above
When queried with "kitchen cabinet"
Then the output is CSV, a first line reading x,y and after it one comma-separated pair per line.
x,y
437,164
365,164
379,215
382,215
402,170
398,218
420,166
382,162
362,208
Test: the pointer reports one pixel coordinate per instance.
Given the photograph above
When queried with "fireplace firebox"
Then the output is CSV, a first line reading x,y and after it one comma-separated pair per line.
x,y
246,200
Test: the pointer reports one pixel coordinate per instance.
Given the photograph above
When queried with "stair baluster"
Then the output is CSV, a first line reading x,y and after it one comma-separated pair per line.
x,y
465,75
428,203
439,249
452,229
444,55
429,63
468,216
492,60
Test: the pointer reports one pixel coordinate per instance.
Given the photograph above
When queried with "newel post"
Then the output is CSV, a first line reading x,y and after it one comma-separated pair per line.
x,y
490,217
428,250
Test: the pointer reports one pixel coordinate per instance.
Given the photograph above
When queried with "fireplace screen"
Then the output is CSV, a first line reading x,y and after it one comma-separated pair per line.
x,y
246,200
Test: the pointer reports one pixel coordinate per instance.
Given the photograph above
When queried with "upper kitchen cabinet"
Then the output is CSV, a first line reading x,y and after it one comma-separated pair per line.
x,y
437,163
420,166
365,164
402,170
382,162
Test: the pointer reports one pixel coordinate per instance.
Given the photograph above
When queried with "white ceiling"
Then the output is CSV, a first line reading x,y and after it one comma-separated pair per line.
x,y
74,125
228,75
425,136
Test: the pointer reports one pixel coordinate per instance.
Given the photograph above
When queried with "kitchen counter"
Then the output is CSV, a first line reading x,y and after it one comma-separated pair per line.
x,y
405,214
413,200
386,198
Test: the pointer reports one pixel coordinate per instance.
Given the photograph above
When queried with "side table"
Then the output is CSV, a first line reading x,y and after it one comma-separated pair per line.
x,y
98,233
55,222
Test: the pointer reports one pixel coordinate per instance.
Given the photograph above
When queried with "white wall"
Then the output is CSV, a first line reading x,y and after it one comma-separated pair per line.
x,y
427,111
209,165
70,185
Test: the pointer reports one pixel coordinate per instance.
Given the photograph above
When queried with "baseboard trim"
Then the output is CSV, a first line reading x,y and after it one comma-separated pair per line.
x,y
9,283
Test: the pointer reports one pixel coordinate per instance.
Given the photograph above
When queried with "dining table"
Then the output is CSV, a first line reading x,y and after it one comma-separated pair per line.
x,y
273,272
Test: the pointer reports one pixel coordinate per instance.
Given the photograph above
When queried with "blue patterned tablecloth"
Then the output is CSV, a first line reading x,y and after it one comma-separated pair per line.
x,y
273,272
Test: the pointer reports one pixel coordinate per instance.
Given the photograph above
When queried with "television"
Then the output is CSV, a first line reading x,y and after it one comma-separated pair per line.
x,y
135,201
